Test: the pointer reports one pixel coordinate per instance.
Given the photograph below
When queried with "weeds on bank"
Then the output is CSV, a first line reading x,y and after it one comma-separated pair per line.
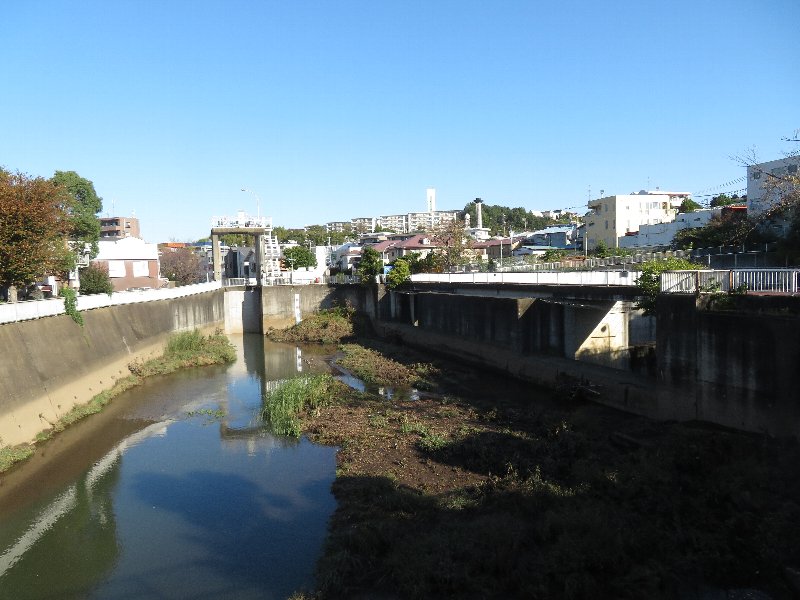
x,y
371,366
284,404
185,349
328,326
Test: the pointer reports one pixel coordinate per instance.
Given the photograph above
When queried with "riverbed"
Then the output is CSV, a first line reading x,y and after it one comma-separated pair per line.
x,y
176,490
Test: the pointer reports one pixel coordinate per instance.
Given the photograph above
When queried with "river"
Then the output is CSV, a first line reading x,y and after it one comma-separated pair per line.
x,y
175,490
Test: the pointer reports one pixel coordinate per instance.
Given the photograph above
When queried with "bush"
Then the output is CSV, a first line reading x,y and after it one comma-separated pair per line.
x,y
95,280
649,281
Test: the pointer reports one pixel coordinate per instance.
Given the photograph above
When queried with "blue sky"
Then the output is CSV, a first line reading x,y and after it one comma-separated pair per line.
x,y
329,110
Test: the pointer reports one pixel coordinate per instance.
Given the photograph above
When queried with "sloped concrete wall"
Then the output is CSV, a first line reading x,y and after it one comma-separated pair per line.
x,y
51,364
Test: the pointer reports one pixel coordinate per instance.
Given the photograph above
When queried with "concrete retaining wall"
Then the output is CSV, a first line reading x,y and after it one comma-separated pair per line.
x,y
49,365
278,302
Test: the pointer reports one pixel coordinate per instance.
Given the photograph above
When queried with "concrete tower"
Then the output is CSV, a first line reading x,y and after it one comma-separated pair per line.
x,y
431,195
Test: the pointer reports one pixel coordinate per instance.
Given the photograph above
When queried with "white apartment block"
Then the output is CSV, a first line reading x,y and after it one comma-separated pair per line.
x,y
338,226
425,221
761,181
662,234
398,223
363,224
612,217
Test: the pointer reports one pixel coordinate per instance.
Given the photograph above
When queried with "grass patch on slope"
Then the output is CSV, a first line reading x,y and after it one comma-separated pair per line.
x,y
284,405
372,366
328,326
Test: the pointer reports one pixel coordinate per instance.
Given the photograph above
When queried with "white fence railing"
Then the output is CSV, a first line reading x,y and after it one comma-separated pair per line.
x,y
35,309
539,277
777,281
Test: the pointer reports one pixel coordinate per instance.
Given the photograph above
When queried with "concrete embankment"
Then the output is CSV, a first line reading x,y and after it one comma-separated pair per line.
x,y
51,364
733,365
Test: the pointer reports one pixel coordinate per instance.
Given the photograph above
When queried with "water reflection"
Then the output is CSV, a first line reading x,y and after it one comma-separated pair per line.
x,y
192,506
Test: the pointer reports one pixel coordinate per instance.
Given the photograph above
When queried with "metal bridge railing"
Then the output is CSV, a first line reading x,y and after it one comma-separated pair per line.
x,y
776,281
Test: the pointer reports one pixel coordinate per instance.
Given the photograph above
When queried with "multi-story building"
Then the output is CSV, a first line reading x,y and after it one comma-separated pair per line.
x,y
662,234
397,223
612,217
363,224
338,226
131,263
425,221
765,182
117,228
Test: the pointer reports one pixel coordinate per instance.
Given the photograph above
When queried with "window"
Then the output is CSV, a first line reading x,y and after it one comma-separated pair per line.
x,y
140,268
116,268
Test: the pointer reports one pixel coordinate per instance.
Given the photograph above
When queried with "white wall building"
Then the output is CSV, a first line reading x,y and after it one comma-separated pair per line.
x,y
612,217
662,234
760,179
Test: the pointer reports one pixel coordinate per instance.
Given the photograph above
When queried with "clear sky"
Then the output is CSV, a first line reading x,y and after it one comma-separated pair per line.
x,y
329,110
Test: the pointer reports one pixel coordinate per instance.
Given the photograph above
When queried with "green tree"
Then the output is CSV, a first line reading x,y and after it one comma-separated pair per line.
x,y
649,281
725,200
83,210
95,280
601,250
500,219
34,223
371,265
689,205
300,256
400,273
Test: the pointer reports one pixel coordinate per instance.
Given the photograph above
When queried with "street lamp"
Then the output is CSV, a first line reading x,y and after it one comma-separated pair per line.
x,y
258,201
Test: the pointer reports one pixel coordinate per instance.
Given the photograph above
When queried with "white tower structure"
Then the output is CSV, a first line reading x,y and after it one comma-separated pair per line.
x,y
431,195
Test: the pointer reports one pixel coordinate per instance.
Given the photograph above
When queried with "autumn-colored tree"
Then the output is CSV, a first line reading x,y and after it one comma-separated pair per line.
x,y
34,223
453,244
181,265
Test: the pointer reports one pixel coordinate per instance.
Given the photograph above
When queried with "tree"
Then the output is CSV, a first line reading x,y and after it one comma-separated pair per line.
x,y
95,280
34,223
454,246
181,265
601,250
83,210
649,281
725,200
371,265
300,256
689,205
500,219
400,273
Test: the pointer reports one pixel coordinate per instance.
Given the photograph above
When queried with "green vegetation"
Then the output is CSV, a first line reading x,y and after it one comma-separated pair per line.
x,y
501,219
689,205
185,349
299,257
725,200
649,281
400,273
95,280
371,265
372,366
328,326
71,304
283,405
84,226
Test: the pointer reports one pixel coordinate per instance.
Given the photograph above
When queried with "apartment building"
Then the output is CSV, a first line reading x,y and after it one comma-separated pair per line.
x,y
612,217
117,228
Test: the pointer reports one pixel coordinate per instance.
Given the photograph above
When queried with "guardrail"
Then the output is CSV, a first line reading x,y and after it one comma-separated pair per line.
x,y
538,277
776,281
36,309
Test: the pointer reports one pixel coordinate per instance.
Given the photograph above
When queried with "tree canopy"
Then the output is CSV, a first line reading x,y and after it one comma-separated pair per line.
x,y
300,256
370,266
181,265
34,223
83,209
501,219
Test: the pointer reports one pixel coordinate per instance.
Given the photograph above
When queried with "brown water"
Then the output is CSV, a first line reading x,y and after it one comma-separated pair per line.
x,y
161,496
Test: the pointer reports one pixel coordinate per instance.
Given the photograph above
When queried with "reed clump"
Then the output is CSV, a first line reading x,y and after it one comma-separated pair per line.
x,y
284,405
